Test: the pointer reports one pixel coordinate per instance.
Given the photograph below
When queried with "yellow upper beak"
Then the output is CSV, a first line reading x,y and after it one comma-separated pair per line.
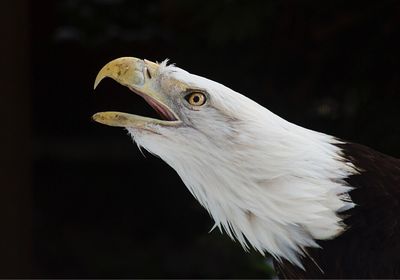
x,y
128,71
140,76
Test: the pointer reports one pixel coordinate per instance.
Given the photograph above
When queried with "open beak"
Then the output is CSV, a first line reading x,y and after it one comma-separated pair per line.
x,y
141,77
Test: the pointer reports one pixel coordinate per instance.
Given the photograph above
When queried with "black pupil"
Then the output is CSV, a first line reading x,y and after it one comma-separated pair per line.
x,y
196,99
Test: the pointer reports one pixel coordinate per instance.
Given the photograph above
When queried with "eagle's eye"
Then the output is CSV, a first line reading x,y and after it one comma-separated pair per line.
x,y
196,98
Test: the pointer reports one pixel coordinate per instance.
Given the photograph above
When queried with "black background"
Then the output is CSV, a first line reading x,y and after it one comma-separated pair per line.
x,y
79,198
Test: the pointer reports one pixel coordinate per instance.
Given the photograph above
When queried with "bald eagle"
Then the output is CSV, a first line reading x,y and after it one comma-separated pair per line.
x,y
322,207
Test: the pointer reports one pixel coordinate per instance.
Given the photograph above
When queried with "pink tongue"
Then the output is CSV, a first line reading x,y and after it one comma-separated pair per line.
x,y
160,109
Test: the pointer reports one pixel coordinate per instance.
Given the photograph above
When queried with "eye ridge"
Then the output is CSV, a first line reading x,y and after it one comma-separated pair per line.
x,y
196,98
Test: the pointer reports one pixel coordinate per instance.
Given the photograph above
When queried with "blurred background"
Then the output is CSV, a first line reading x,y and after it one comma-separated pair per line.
x,y
79,200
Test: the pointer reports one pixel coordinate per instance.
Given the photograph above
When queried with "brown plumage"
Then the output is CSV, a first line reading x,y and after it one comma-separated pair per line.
x,y
370,247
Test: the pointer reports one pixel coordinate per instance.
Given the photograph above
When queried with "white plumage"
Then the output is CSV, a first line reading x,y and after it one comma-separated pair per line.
x,y
268,183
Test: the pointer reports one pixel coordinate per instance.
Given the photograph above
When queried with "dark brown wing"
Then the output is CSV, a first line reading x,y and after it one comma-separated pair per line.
x,y
370,248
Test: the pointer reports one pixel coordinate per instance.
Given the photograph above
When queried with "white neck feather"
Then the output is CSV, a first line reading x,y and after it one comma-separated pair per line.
x,y
270,184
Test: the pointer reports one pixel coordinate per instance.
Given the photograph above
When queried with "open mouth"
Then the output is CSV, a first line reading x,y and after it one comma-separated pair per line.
x,y
162,110
140,77
121,119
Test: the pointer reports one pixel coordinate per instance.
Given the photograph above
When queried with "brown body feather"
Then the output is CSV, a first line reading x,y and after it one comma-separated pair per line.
x,y
370,247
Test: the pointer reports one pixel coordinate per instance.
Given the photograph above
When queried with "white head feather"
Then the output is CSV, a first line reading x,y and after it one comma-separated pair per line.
x,y
270,184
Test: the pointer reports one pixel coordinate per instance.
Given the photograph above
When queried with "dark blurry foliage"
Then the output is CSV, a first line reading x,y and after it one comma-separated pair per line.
x,y
102,210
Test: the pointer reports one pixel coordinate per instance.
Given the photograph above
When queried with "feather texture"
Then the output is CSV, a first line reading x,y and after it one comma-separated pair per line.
x,y
274,186
370,246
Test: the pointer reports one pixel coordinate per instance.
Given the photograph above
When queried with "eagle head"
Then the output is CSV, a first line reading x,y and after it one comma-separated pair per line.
x,y
270,184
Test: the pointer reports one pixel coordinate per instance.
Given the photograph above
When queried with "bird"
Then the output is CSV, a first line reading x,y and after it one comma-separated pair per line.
x,y
321,206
